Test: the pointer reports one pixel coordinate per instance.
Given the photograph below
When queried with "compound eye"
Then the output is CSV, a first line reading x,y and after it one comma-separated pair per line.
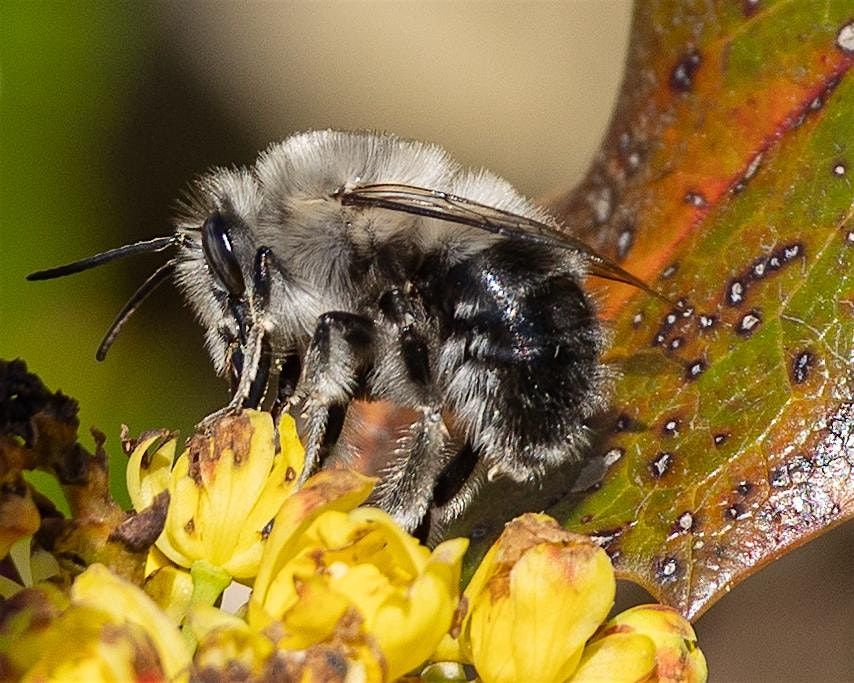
x,y
219,254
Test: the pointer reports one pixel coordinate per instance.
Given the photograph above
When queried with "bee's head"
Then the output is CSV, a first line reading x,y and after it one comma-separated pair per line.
x,y
222,271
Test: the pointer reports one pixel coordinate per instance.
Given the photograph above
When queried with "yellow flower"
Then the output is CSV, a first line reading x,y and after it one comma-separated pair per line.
x,y
330,570
678,659
99,589
110,631
25,621
227,646
86,645
171,588
229,649
224,490
536,598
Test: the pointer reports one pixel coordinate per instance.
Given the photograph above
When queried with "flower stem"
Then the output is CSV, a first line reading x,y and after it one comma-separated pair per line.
x,y
209,581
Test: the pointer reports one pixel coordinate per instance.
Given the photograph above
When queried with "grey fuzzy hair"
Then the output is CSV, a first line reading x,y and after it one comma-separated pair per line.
x,y
286,202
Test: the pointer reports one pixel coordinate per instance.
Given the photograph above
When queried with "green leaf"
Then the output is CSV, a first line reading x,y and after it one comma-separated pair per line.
x,y
726,181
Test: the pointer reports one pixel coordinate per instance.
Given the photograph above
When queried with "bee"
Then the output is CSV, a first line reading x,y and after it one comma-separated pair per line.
x,y
358,265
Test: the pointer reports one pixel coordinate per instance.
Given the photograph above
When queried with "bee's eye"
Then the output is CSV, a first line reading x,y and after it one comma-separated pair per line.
x,y
219,254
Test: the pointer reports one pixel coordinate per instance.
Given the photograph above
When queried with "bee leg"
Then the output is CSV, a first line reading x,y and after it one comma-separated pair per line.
x,y
340,353
255,366
286,385
403,374
249,368
289,372
258,387
459,484
406,488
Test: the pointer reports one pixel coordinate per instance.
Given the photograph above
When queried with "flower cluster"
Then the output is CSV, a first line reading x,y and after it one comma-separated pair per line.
x,y
333,590
536,604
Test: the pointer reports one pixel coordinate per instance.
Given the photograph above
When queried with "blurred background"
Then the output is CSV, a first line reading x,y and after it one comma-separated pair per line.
x,y
107,110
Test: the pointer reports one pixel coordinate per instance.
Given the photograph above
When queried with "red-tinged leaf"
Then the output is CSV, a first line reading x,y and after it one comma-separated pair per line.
x,y
727,182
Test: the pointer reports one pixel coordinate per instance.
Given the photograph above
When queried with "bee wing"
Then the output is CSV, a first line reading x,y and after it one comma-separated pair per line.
x,y
450,207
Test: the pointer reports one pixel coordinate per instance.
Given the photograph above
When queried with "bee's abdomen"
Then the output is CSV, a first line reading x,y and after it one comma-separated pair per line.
x,y
520,361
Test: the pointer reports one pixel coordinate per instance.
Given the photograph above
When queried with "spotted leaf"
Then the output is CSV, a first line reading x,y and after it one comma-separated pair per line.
x,y
727,182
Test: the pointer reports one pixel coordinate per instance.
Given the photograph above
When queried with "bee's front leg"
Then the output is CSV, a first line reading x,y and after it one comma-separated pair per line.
x,y
249,373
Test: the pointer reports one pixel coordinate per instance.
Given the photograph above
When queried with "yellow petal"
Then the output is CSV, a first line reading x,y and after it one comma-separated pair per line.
x,y
449,650
678,658
172,589
84,644
148,475
341,490
281,595
404,551
202,620
562,594
155,560
618,658
100,589
491,636
280,483
408,627
179,541
315,616
364,586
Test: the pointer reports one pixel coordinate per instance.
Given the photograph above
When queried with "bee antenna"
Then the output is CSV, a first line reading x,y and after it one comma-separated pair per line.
x,y
156,244
141,294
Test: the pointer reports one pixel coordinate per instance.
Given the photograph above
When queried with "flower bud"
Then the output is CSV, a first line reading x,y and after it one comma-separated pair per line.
x,y
677,656
617,658
99,589
86,645
25,621
536,598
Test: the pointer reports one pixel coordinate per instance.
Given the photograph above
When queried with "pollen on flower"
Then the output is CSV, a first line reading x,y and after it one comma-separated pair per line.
x,y
337,569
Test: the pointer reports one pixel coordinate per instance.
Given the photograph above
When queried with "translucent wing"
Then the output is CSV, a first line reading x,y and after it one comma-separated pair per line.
x,y
449,207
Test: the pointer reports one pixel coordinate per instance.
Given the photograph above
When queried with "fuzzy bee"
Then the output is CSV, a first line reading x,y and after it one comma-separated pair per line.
x,y
348,266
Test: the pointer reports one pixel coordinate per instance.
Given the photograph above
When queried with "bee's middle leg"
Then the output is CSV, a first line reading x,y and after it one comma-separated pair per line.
x,y
403,373
340,353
